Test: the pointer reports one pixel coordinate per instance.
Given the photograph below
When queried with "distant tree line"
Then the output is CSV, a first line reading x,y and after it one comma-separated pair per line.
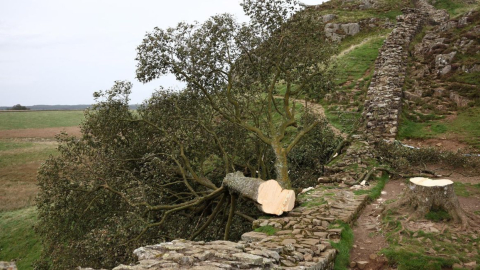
x,y
18,107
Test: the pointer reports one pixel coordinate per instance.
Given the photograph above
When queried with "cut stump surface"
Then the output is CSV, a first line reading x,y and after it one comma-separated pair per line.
x,y
270,197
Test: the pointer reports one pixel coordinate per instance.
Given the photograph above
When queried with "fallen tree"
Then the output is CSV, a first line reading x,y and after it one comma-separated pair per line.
x,y
157,174
270,197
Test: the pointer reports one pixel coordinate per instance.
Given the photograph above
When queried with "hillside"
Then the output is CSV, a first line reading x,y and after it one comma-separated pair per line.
x,y
405,103
440,93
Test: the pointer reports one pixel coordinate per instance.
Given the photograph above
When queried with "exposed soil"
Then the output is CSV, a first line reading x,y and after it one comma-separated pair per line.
x,y
445,144
370,239
38,132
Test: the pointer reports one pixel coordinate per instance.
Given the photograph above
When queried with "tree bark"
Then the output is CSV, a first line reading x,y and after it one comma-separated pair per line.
x,y
281,166
424,194
269,196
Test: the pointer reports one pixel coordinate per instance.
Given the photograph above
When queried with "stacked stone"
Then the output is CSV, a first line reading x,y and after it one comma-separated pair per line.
x,y
301,240
8,266
359,153
384,97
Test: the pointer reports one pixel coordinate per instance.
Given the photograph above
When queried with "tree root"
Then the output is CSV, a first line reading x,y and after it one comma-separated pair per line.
x,y
419,200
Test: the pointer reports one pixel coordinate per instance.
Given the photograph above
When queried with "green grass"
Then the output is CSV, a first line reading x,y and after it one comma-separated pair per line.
x,y
349,41
465,189
409,250
342,260
269,230
453,7
467,125
344,121
17,238
314,203
375,192
472,78
6,145
32,154
348,16
410,129
406,260
354,64
39,119
438,215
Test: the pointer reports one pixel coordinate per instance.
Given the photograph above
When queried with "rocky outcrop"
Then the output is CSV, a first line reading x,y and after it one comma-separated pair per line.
x,y
299,240
338,31
446,51
328,17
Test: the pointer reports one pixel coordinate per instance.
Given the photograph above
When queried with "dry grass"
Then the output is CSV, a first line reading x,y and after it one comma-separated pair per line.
x,y
18,186
19,163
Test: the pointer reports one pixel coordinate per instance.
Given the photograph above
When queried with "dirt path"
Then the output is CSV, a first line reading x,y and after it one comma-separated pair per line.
x,y
369,238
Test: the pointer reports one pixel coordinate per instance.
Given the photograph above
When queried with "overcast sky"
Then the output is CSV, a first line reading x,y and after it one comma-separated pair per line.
x,y
61,51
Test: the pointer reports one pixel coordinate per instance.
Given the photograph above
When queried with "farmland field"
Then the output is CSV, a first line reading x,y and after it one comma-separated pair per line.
x,y
39,119
26,140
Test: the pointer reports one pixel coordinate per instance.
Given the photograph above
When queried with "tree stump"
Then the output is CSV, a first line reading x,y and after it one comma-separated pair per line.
x,y
424,194
269,196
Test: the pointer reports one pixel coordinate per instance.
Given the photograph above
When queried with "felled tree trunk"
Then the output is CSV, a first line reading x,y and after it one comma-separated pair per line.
x,y
270,197
424,194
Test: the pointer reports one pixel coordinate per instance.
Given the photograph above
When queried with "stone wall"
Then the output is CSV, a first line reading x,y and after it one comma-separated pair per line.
x,y
301,240
384,97
383,104
8,266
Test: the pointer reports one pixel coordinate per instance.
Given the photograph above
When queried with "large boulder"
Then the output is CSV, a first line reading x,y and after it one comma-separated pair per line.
x,y
329,17
351,29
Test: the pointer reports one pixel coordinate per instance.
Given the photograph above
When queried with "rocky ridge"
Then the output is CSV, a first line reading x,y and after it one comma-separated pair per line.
x,y
437,59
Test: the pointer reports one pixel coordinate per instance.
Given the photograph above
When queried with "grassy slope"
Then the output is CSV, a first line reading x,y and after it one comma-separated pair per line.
x,y
356,61
17,239
465,127
39,119
354,64
454,7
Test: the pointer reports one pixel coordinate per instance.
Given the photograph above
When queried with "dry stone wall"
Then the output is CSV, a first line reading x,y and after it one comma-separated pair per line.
x,y
8,266
384,97
301,240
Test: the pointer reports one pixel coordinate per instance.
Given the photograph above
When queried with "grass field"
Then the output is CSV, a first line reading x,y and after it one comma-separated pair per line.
x,y
17,237
39,119
21,154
